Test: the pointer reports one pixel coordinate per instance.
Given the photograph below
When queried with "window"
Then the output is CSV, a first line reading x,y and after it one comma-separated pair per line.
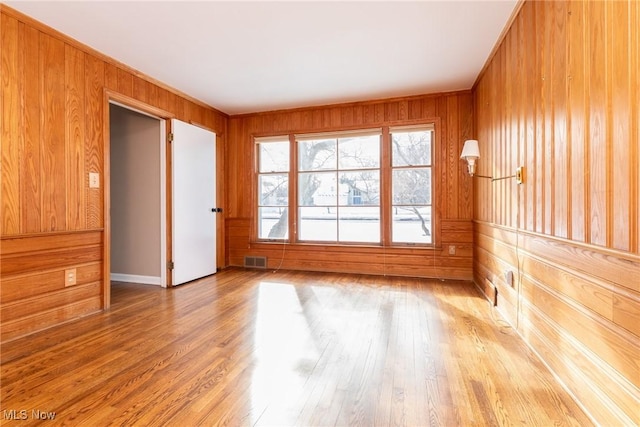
x,y
339,188
273,187
334,187
411,185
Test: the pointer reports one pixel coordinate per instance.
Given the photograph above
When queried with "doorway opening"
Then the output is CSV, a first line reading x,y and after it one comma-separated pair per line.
x,y
137,197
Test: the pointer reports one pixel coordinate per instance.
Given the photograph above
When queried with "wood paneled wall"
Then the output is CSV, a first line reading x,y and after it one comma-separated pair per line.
x,y
53,134
560,97
453,112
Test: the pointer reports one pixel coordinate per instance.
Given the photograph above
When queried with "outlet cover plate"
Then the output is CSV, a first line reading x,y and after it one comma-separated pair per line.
x,y
70,277
94,180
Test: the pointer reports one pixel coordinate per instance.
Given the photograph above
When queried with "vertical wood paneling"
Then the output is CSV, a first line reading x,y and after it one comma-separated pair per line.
x,y
52,92
75,139
577,119
111,76
618,45
635,127
519,193
452,154
530,102
509,122
163,99
11,125
152,97
125,82
453,114
539,165
30,186
140,90
52,71
465,196
547,105
94,137
597,124
561,151
577,273
494,138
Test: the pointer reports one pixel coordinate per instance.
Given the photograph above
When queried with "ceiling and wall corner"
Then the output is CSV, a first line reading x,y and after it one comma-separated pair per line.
x,y
244,57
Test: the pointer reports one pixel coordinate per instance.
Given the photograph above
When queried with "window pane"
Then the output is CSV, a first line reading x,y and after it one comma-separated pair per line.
x,y
319,223
359,188
318,189
274,156
412,186
317,155
359,224
359,152
412,224
411,148
273,223
274,190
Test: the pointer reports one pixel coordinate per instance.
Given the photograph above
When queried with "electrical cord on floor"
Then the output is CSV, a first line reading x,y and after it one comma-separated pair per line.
x,y
503,326
284,248
518,269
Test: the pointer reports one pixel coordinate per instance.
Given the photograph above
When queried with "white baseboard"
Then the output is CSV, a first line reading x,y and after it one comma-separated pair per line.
x,y
132,278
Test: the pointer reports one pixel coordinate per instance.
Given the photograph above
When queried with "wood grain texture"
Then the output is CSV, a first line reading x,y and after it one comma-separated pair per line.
x,y
578,268
358,350
53,135
75,138
53,125
31,184
53,155
33,295
593,320
598,148
94,143
634,131
578,118
453,115
11,125
619,44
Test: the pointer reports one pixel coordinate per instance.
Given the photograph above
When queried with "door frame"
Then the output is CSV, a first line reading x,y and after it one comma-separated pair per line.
x,y
165,117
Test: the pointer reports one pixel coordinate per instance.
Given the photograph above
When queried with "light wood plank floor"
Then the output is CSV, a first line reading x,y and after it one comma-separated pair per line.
x,y
245,348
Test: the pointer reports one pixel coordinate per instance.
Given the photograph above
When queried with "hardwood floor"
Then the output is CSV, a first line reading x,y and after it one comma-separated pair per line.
x,y
245,348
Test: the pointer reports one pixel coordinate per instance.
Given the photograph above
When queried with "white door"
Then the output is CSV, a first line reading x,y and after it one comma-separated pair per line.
x,y
194,202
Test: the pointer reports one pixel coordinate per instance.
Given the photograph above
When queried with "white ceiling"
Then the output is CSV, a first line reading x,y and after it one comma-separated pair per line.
x,y
242,57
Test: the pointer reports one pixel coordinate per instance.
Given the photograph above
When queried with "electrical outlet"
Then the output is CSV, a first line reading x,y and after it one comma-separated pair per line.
x,y
508,277
452,250
70,277
94,180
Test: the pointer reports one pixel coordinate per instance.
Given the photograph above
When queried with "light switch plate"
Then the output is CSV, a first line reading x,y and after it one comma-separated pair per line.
x,y
94,180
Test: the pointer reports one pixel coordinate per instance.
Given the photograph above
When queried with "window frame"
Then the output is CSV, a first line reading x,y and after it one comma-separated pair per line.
x,y
430,166
258,174
386,169
337,170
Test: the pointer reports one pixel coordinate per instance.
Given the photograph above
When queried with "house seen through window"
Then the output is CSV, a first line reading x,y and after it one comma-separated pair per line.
x,y
336,194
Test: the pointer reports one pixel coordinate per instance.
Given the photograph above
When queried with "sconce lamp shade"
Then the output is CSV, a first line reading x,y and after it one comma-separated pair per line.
x,y
470,153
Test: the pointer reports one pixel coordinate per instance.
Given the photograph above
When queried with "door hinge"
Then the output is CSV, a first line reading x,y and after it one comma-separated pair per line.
x,y
170,136
169,265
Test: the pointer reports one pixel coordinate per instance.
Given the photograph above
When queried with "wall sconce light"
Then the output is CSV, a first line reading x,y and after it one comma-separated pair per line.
x,y
471,153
